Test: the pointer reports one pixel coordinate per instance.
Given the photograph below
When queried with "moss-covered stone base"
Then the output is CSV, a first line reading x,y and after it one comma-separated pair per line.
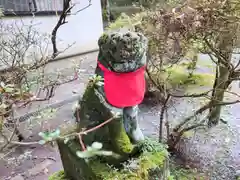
x,y
150,164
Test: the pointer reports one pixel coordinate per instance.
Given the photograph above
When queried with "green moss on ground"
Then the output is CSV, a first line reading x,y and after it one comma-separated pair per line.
x,y
178,77
58,176
186,174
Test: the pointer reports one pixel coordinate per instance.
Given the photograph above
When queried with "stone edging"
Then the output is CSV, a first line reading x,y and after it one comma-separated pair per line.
x,y
4,69
53,105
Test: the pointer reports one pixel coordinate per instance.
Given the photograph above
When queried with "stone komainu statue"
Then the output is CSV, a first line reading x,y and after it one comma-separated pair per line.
x,y
122,58
117,88
114,93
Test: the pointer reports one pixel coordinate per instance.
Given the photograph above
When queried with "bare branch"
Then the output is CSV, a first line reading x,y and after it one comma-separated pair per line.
x,y
62,20
89,4
76,134
163,111
201,110
191,95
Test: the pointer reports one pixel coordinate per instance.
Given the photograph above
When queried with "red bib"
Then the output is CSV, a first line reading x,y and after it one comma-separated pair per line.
x,y
124,89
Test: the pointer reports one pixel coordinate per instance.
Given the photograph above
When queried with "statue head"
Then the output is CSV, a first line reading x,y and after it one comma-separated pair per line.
x,y
122,60
123,51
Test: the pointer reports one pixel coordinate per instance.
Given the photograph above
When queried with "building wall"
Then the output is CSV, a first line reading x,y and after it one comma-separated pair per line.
x,y
82,30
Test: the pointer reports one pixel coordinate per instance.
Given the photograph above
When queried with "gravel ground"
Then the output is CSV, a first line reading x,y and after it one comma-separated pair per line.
x,y
217,150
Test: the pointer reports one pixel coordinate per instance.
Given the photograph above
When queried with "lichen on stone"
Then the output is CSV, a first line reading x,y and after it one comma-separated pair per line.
x,y
122,51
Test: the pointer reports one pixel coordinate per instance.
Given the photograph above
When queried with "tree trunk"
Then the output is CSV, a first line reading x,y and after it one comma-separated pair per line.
x,y
225,47
106,10
220,87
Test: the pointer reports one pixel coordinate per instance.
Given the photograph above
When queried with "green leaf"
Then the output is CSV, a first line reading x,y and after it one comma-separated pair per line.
x,y
41,142
2,84
89,148
105,153
55,134
66,140
97,145
84,154
49,138
42,134
9,90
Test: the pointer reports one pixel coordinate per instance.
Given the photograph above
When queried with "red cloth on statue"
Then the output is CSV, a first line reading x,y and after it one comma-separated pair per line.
x,y
124,89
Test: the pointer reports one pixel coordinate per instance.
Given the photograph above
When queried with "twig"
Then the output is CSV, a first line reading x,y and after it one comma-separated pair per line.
x,y
191,95
96,127
61,21
221,58
12,134
163,109
79,134
22,143
81,142
190,128
167,125
201,110
89,4
180,134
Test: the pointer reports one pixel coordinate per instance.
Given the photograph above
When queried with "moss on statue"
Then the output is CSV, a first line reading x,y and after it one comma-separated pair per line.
x,y
94,111
135,169
119,138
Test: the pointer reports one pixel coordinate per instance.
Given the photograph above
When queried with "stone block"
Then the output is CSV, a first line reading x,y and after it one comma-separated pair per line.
x,y
18,177
39,168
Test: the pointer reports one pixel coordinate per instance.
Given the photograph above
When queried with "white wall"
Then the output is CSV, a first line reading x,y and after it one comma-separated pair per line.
x,y
83,28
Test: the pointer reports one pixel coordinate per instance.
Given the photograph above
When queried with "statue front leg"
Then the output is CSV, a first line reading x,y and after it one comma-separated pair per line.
x,y
130,119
